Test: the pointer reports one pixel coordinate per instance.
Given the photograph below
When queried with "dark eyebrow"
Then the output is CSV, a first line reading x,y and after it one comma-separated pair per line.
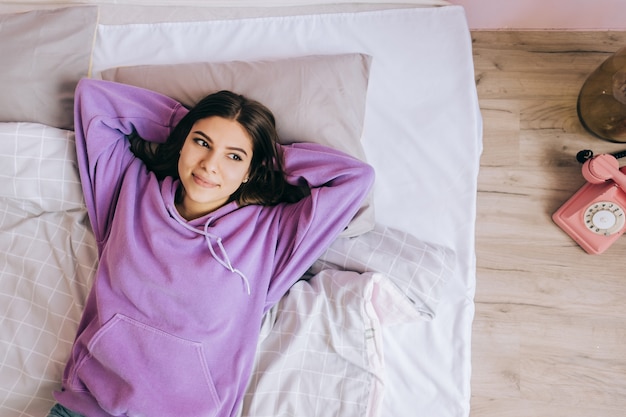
x,y
208,139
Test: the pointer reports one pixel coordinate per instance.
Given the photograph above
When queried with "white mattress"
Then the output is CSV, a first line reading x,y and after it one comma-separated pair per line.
x,y
422,133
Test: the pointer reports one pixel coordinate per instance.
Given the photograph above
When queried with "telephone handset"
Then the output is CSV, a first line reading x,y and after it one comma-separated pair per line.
x,y
595,216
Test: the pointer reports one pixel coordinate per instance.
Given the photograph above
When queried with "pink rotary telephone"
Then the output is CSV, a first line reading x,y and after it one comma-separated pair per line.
x,y
595,216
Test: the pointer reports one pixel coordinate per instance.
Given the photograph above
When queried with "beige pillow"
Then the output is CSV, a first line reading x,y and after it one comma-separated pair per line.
x,y
314,98
44,54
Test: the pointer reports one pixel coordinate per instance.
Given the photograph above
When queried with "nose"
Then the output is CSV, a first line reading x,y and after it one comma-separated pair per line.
x,y
210,162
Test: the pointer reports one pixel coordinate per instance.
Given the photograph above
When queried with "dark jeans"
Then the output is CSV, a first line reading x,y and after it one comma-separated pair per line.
x,y
59,411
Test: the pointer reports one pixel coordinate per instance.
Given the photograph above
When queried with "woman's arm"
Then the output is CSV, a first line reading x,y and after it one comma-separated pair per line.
x,y
105,114
339,184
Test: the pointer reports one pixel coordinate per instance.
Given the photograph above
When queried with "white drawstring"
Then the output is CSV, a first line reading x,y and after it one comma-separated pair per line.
x,y
226,261
208,236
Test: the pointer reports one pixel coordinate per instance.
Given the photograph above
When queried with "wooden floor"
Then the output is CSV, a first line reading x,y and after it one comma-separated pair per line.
x,y
549,335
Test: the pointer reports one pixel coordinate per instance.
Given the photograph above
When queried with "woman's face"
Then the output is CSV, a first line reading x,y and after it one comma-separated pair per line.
x,y
214,162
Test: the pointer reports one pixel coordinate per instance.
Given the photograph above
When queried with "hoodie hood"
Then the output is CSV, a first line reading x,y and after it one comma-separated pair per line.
x,y
201,226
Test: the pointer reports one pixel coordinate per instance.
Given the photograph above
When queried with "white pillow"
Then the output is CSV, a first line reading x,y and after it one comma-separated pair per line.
x,y
38,169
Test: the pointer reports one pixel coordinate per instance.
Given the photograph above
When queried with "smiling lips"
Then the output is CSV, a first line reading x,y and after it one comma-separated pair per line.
x,y
203,182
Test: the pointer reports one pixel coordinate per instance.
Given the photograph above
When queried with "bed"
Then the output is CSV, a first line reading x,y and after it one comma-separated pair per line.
x,y
381,324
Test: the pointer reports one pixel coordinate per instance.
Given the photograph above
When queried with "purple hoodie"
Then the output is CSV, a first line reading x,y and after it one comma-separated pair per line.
x,y
171,324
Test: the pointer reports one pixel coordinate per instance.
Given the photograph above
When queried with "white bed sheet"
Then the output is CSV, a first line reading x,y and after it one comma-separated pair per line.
x,y
422,133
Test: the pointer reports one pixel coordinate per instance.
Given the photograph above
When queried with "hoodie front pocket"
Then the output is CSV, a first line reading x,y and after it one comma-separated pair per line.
x,y
135,369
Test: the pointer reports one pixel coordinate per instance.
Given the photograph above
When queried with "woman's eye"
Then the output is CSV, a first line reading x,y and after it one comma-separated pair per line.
x,y
236,157
201,142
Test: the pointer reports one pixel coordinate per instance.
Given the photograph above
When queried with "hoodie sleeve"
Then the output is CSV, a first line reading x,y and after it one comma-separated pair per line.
x,y
339,184
105,113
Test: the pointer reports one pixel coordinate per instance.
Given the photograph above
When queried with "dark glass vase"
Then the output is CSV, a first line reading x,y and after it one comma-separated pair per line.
x,y
602,99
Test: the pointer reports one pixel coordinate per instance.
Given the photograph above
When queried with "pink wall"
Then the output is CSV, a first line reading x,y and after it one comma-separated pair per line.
x,y
545,14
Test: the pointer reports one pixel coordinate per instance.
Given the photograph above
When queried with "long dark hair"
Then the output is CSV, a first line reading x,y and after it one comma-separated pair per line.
x,y
266,184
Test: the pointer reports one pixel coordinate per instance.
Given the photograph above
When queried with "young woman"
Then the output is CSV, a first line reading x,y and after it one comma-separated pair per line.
x,y
198,237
